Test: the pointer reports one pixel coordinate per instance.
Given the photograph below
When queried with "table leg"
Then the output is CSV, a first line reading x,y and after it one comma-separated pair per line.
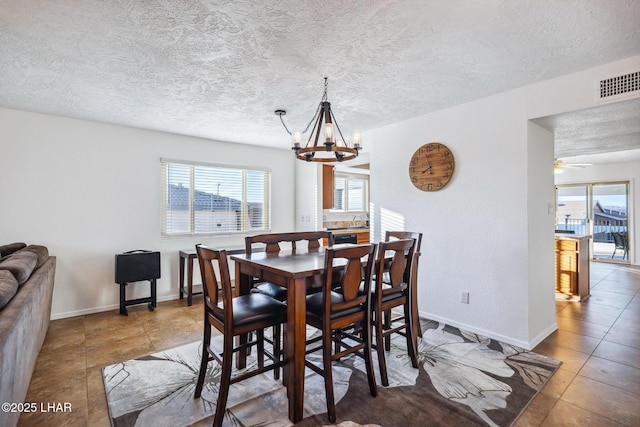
x,y
190,282
181,277
295,347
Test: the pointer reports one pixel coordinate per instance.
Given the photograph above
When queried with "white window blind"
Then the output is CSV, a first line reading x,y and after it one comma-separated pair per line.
x,y
210,199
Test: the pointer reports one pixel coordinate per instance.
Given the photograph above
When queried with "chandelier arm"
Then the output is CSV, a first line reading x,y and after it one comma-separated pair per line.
x,y
312,118
335,122
317,128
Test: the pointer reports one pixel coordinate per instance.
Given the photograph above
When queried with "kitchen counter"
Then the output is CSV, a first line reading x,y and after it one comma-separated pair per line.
x,y
349,230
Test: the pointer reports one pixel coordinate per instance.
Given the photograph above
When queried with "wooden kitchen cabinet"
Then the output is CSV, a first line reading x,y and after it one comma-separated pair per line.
x,y
327,186
363,237
572,267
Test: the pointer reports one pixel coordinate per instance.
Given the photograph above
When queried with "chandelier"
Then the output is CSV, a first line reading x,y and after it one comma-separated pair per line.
x,y
327,148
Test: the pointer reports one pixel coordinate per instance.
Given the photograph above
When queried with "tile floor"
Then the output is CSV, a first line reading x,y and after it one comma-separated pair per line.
x,y
598,340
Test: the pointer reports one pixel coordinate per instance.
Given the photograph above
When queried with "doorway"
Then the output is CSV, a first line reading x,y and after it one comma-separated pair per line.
x,y
600,210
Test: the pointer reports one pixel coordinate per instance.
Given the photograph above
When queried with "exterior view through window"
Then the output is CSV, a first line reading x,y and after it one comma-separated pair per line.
x,y
599,210
350,193
211,199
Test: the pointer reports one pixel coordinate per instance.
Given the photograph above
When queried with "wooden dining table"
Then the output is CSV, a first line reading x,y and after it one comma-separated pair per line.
x,y
295,271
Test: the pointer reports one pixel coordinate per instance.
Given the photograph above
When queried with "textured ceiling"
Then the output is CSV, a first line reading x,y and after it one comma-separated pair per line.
x,y
218,69
604,134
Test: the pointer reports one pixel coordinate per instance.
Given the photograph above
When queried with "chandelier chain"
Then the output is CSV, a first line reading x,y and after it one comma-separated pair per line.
x,y
283,124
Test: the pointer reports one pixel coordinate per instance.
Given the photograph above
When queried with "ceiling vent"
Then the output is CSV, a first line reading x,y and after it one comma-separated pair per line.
x,y
619,87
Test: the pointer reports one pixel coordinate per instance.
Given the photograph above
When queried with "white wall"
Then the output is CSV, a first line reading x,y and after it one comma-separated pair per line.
x,y
481,231
541,207
614,172
89,190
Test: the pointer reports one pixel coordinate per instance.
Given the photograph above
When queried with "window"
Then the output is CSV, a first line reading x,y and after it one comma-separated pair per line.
x,y
210,199
350,193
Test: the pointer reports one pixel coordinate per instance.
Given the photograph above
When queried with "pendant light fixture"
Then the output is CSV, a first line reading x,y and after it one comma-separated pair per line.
x,y
325,142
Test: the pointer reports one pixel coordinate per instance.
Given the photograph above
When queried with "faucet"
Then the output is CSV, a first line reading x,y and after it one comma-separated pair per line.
x,y
353,221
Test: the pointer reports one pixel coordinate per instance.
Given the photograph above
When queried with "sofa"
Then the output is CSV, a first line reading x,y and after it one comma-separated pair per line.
x,y
26,288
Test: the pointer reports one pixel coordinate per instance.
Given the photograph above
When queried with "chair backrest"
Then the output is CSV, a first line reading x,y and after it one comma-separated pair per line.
x,y
273,240
399,269
618,240
356,271
405,235
212,295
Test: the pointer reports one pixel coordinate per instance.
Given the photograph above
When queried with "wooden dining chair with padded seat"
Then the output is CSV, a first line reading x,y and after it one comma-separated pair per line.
x,y
398,259
334,312
234,316
272,242
389,235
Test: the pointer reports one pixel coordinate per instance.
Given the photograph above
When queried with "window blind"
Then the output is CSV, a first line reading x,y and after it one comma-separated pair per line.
x,y
212,199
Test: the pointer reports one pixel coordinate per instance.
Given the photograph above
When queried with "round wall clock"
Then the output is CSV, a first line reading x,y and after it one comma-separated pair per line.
x,y
431,167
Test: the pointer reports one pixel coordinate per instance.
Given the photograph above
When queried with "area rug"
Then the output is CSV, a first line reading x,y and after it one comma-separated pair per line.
x,y
463,379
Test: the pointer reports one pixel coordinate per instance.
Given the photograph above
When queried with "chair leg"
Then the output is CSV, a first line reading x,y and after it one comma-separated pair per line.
x,y
387,325
410,334
328,374
368,360
260,339
336,341
225,381
206,341
380,349
277,351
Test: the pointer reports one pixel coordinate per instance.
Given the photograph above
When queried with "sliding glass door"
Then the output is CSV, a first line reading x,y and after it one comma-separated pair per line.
x,y
599,210
610,221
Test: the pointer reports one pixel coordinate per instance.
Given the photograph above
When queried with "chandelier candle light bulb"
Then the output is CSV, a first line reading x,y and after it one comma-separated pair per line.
x,y
297,139
328,134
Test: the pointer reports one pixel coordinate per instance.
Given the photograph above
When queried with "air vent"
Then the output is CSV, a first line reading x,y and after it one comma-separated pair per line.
x,y
620,85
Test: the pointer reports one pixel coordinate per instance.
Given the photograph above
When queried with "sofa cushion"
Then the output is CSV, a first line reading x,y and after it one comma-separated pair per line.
x,y
21,265
8,287
10,248
41,252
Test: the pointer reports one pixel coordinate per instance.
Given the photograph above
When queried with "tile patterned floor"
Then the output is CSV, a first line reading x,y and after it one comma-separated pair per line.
x,y
598,340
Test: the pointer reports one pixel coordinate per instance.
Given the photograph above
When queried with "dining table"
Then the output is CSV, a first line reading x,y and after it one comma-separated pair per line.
x,y
295,271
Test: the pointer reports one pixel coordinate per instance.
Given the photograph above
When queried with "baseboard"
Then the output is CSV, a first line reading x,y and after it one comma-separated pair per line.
x,y
94,310
508,340
544,334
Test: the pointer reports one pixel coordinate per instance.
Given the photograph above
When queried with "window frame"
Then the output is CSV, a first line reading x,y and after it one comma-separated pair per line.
x,y
365,191
244,222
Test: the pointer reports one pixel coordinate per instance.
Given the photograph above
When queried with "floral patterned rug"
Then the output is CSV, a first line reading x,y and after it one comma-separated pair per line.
x,y
462,379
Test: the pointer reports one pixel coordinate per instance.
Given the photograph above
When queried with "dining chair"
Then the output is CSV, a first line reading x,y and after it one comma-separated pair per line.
x,y
620,242
390,235
234,316
272,242
339,308
394,292
405,235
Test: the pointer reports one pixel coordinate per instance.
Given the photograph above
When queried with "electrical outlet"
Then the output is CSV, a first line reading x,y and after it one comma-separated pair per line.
x,y
464,297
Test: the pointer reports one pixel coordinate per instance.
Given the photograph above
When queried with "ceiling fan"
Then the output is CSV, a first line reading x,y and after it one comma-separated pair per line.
x,y
558,165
